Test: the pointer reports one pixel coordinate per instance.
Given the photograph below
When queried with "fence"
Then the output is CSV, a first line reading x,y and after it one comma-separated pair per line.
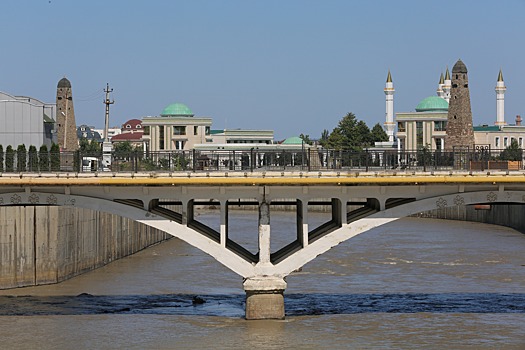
x,y
256,160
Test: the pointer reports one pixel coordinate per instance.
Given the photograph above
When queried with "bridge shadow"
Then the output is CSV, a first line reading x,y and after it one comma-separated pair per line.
x,y
233,305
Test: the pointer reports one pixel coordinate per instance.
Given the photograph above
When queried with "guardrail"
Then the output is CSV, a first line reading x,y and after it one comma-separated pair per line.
x,y
256,160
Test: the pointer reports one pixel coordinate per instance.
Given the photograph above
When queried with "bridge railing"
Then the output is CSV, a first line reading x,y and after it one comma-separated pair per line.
x,y
261,160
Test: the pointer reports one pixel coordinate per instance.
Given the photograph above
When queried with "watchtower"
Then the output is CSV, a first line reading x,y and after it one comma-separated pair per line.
x,y
66,126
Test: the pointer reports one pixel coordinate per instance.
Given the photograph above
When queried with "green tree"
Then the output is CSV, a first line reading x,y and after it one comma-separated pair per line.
x,y
55,157
89,148
1,159
512,152
349,134
323,141
122,150
21,158
306,139
378,134
9,159
43,158
33,158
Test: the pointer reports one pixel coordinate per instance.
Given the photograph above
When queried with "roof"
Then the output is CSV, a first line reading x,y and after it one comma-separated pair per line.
x,y
491,128
64,83
500,76
177,109
133,124
389,77
459,67
294,140
432,103
128,136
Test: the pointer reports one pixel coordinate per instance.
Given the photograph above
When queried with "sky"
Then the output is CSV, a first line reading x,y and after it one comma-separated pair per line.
x,y
292,66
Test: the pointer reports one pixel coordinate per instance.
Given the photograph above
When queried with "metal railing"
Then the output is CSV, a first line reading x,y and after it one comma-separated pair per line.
x,y
256,160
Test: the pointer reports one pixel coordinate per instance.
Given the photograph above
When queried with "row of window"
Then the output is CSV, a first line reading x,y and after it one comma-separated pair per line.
x,y
506,143
178,130
439,125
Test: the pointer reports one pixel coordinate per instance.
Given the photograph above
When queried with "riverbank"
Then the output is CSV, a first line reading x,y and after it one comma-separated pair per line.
x,y
48,244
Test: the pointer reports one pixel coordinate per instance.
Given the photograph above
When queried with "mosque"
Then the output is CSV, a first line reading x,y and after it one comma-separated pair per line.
x,y
427,126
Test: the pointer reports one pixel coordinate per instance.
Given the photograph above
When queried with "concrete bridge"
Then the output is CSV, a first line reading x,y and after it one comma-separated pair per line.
x,y
357,202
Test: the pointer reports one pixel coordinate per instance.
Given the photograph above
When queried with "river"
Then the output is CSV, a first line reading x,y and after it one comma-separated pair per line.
x,y
411,284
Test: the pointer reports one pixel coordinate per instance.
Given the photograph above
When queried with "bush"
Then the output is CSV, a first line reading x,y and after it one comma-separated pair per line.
x,y
43,158
9,159
33,158
21,158
55,157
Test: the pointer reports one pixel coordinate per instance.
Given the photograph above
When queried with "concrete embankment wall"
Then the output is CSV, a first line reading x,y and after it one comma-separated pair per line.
x,y
510,215
44,244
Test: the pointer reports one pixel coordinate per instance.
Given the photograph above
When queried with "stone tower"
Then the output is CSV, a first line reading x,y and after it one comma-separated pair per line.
x,y
65,119
460,133
389,96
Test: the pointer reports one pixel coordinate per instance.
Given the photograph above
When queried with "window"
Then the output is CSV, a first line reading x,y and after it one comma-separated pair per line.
x,y
439,146
419,134
139,126
401,127
496,142
146,130
179,130
195,130
128,126
161,137
179,144
440,125
207,130
520,142
505,141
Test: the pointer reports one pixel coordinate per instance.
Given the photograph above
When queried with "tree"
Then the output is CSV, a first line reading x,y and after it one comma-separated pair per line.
x,y
1,159
43,158
306,139
122,150
349,134
9,159
378,134
512,152
324,138
21,158
55,157
89,148
33,158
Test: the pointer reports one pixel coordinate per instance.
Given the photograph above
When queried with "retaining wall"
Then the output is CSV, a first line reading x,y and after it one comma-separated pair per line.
x,y
45,244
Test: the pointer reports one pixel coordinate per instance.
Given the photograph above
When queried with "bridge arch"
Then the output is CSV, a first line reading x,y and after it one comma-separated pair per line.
x,y
348,231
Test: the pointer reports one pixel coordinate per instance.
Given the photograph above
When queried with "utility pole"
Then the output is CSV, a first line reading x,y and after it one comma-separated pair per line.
x,y
106,145
107,102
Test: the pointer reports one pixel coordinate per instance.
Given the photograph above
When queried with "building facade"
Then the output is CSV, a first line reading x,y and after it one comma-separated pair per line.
x,y
26,121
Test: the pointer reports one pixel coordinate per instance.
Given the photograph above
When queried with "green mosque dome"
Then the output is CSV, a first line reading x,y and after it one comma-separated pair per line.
x,y
177,109
294,140
432,104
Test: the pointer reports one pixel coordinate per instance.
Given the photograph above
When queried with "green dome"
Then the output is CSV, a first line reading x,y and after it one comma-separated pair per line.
x,y
432,104
177,109
294,140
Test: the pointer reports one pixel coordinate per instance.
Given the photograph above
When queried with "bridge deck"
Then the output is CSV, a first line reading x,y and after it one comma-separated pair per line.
x,y
256,179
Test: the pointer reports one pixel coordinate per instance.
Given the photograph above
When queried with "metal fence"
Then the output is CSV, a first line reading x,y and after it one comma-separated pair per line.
x,y
256,160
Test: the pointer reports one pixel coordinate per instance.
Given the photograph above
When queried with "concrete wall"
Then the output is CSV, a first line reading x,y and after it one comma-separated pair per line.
x,y
510,215
43,245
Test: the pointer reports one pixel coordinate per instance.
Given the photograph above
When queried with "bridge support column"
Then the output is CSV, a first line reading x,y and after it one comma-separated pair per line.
x,y
264,298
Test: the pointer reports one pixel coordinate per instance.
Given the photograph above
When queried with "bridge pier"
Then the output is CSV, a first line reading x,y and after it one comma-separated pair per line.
x,y
264,298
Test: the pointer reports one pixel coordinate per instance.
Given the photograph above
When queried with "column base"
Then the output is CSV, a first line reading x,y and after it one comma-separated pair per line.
x,y
264,298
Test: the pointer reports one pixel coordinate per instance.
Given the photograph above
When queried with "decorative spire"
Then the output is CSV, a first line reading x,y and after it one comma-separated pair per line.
x,y
500,76
447,75
389,77
441,80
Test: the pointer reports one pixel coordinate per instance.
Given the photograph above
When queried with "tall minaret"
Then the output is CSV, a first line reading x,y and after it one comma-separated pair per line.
x,y
65,119
460,132
500,100
447,86
389,96
440,91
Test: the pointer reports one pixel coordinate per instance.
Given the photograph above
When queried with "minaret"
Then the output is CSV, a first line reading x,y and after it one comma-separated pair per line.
x,y
447,86
66,127
440,91
500,100
389,96
460,133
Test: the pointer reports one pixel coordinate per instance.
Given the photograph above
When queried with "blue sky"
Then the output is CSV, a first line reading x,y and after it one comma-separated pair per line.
x,y
293,66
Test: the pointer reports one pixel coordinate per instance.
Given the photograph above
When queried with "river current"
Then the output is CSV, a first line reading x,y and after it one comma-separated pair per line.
x,y
411,284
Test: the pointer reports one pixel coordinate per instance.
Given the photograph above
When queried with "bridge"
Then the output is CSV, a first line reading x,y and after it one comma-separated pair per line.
x,y
356,202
